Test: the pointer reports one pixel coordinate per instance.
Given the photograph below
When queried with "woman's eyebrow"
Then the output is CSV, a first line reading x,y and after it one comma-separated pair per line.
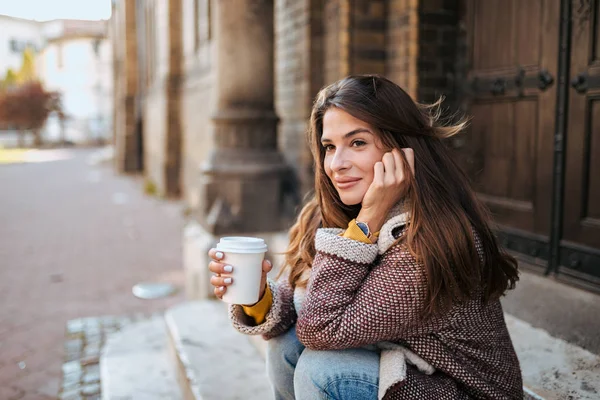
x,y
349,134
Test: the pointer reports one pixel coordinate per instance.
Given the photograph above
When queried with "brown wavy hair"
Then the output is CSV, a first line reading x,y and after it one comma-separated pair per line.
x,y
444,208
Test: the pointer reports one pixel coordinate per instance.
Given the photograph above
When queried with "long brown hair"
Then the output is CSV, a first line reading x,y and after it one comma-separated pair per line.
x,y
444,208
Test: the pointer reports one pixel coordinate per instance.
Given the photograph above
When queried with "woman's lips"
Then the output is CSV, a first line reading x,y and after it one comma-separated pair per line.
x,y
347,184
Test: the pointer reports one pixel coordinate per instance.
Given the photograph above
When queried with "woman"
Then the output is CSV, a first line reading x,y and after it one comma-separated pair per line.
x,y
393,276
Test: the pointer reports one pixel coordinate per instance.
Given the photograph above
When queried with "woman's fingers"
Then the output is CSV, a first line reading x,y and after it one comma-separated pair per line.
x,y
219,268
219,281
389,166
220,291
409,154
399,165
378,174
267,266
215,254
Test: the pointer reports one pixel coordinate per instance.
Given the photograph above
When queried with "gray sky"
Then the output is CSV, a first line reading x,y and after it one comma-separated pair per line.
x,y
43,10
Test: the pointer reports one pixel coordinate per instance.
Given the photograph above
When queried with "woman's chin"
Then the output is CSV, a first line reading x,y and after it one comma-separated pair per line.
x,y
351,200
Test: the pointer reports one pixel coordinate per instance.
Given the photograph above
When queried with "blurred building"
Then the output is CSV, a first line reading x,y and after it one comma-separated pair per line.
x,y
212,100
73,57
16,35
77,61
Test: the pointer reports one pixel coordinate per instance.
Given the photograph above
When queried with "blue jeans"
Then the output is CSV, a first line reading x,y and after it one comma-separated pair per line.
x,y
299,373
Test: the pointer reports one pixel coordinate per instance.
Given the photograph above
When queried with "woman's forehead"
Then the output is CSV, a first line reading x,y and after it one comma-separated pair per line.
x,y
339,122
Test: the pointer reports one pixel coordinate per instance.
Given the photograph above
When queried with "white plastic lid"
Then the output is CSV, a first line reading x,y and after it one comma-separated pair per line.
x,y
240,244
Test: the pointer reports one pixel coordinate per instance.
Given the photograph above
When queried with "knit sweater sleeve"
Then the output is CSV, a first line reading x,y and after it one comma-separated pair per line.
x,y
353,300
279,319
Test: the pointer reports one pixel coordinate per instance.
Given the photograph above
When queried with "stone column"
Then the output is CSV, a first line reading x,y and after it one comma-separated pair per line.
x,y
128,154
244,173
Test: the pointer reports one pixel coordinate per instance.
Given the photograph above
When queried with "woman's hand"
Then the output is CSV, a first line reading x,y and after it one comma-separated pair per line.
x,y
389,186
219,266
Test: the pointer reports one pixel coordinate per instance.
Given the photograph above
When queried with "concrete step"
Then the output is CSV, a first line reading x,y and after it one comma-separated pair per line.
x,y
213,360
135,364
552,368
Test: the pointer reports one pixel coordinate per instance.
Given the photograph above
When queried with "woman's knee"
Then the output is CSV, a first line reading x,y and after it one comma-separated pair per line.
x,y
284,350
337,374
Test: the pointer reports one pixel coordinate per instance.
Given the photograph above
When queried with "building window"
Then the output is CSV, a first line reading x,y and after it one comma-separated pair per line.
x,y
14,46
96,46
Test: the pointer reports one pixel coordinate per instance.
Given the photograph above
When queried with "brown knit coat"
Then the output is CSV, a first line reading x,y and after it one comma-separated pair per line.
x,y
363,294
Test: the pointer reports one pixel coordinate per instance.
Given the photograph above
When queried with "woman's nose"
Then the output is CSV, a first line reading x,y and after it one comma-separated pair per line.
x,y
339,161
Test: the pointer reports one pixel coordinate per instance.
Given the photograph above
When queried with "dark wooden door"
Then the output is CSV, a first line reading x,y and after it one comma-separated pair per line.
x,y
512,98
581,222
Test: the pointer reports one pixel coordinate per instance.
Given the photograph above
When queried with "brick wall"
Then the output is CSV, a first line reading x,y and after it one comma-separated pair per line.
x,y
354,38
402,44
367,53
336,39
438,39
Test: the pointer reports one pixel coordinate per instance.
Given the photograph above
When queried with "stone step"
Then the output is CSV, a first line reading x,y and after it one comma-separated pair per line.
x,y
135,364
213,360
552,368
198,355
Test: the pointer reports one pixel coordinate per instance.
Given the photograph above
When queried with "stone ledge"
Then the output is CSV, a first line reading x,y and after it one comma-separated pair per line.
x,y
553,368
134,364
213,360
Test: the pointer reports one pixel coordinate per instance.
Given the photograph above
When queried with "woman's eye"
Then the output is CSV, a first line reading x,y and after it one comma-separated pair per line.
x,y
329,147
358,143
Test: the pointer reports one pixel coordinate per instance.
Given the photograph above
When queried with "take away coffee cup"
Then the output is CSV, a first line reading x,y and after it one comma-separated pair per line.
x,y
245,255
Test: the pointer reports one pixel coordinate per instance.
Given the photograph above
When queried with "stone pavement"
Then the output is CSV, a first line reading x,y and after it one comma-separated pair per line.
x,y
74,239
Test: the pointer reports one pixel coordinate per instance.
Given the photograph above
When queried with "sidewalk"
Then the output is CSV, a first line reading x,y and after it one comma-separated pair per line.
x,y
74,239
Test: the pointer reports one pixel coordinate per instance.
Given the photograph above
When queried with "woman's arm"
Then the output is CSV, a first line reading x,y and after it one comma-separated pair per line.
x,y
280,317
352,301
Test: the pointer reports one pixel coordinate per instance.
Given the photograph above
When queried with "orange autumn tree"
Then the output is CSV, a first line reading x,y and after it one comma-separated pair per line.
x,y
27,106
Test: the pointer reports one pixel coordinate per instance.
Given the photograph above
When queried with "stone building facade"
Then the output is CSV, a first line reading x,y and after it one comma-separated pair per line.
x,y
213,98
189,69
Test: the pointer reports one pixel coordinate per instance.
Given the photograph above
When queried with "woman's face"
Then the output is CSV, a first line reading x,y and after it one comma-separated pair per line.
x,y
351,151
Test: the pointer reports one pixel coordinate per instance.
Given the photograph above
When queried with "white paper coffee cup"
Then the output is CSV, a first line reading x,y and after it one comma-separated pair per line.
x,y
245,255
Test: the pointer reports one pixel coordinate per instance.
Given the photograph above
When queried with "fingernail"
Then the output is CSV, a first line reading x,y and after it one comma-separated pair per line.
x,y
269,262
227,280
219,255
222,288
228,268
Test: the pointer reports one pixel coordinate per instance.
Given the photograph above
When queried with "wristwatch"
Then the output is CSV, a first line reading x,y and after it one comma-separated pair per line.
x,y
365,229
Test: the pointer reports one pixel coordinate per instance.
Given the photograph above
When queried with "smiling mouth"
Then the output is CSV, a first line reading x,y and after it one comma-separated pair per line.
x,y
346,185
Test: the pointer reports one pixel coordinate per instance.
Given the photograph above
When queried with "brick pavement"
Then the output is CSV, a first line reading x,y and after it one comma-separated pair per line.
x,y
74,239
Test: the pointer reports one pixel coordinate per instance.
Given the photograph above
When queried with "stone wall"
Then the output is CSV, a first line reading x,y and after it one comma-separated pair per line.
x,y
161,99
413,42
126,137
197,100
154,99
299,76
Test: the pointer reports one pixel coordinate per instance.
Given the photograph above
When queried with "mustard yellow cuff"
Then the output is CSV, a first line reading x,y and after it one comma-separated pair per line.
x,y
260,310
355,233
